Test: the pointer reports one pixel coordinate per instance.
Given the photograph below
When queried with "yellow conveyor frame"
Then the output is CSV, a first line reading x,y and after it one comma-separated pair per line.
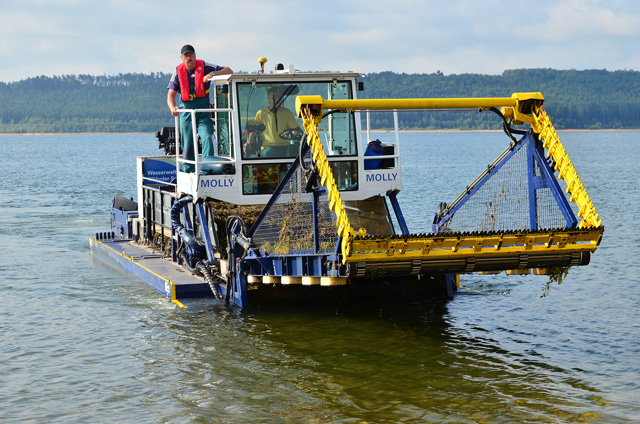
x,y
520,108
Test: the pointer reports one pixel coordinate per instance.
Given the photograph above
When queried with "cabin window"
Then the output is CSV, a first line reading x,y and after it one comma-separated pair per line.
x,y
271,130
345,174
262,178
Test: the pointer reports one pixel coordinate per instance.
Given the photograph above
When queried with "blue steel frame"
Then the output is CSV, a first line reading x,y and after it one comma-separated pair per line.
x,y
206,234
396,209
254,262
535,154
549,180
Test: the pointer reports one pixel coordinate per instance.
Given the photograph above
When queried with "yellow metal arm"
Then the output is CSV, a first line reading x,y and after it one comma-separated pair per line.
x,y
519,105
520,108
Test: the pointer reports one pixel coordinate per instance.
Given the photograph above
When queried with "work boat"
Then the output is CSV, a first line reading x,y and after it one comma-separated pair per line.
x,y
307,207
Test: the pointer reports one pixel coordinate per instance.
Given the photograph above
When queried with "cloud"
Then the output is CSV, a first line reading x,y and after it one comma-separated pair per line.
x,y
586,20
412,36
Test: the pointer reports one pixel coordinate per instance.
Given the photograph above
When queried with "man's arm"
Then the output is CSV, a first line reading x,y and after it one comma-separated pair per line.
x,y
224,71
171,101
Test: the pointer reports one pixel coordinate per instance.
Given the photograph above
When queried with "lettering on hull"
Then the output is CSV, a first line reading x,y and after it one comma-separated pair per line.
x,y
381,177
217,183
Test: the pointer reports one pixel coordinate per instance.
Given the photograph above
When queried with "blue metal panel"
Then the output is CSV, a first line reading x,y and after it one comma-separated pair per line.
x,y
554,186
131,268
294,266
399,216
240,286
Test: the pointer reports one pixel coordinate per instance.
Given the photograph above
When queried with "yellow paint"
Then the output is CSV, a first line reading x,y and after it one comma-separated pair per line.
x,y
310,281
385,249
317,104
333,281
566,171
268,279
291,280
519,108
173,294
252,279
326,176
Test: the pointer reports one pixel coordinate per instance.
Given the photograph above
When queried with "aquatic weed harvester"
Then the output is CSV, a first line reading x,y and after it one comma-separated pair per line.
x,y
316,215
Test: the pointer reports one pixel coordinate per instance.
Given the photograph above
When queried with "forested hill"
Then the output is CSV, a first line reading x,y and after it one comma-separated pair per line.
x,y
592,99
85,103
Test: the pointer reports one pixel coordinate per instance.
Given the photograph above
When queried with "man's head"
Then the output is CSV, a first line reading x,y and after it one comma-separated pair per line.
x,y
188,56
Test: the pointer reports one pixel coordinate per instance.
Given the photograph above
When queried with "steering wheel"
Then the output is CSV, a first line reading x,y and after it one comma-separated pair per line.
x,y
294,134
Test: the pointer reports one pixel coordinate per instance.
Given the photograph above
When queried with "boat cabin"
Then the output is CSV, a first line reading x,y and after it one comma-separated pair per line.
x,y
257,137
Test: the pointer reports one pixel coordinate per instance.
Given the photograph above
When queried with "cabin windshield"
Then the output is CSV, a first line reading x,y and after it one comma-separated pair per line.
x,y
270,129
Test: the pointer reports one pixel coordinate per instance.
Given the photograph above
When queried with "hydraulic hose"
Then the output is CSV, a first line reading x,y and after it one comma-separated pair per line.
x,y
185,260
177,225
204,270
193,245
192,254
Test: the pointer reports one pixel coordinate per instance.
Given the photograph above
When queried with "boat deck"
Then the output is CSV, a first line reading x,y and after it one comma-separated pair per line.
x,y
151,267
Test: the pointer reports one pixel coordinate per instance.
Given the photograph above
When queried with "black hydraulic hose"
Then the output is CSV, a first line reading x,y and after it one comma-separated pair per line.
x,y
303,140
311,180
185,260
506,127
177,225
204,270
175,212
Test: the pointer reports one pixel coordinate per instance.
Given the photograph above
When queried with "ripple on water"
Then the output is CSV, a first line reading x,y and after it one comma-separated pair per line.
x,y
85,343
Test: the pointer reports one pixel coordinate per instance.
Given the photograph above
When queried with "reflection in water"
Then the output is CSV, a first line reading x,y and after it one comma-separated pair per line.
x,y
392,361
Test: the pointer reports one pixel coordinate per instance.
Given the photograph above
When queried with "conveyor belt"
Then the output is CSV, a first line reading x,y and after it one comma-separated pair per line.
x,y
467,252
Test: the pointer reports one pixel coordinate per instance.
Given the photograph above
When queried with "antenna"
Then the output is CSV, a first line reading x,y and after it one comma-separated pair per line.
x,y
262,61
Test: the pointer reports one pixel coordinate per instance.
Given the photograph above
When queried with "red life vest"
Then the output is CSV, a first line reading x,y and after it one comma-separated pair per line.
x,y
183,77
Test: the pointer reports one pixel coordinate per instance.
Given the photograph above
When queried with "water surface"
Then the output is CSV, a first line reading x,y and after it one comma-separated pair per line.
x,y
83,342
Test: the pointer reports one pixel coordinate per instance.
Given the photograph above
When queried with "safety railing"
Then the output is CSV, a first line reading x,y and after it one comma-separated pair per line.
x,y
396,145
198,162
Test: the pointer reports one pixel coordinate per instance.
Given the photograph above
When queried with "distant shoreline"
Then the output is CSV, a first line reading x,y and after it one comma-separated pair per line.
x,y
364,131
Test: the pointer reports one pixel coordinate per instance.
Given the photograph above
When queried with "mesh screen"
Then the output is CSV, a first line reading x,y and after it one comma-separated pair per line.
x,y
288,226
502,202
548,212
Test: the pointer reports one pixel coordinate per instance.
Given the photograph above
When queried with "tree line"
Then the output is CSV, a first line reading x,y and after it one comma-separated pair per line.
x,y
590,99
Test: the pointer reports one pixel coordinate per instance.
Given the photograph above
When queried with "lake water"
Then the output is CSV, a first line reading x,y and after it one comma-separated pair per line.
x,y
82,342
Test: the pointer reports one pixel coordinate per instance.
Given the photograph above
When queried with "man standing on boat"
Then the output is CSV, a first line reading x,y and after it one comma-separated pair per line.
x,y
192,79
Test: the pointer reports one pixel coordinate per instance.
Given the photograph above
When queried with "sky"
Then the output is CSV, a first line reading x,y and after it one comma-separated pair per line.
x,y
63,37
